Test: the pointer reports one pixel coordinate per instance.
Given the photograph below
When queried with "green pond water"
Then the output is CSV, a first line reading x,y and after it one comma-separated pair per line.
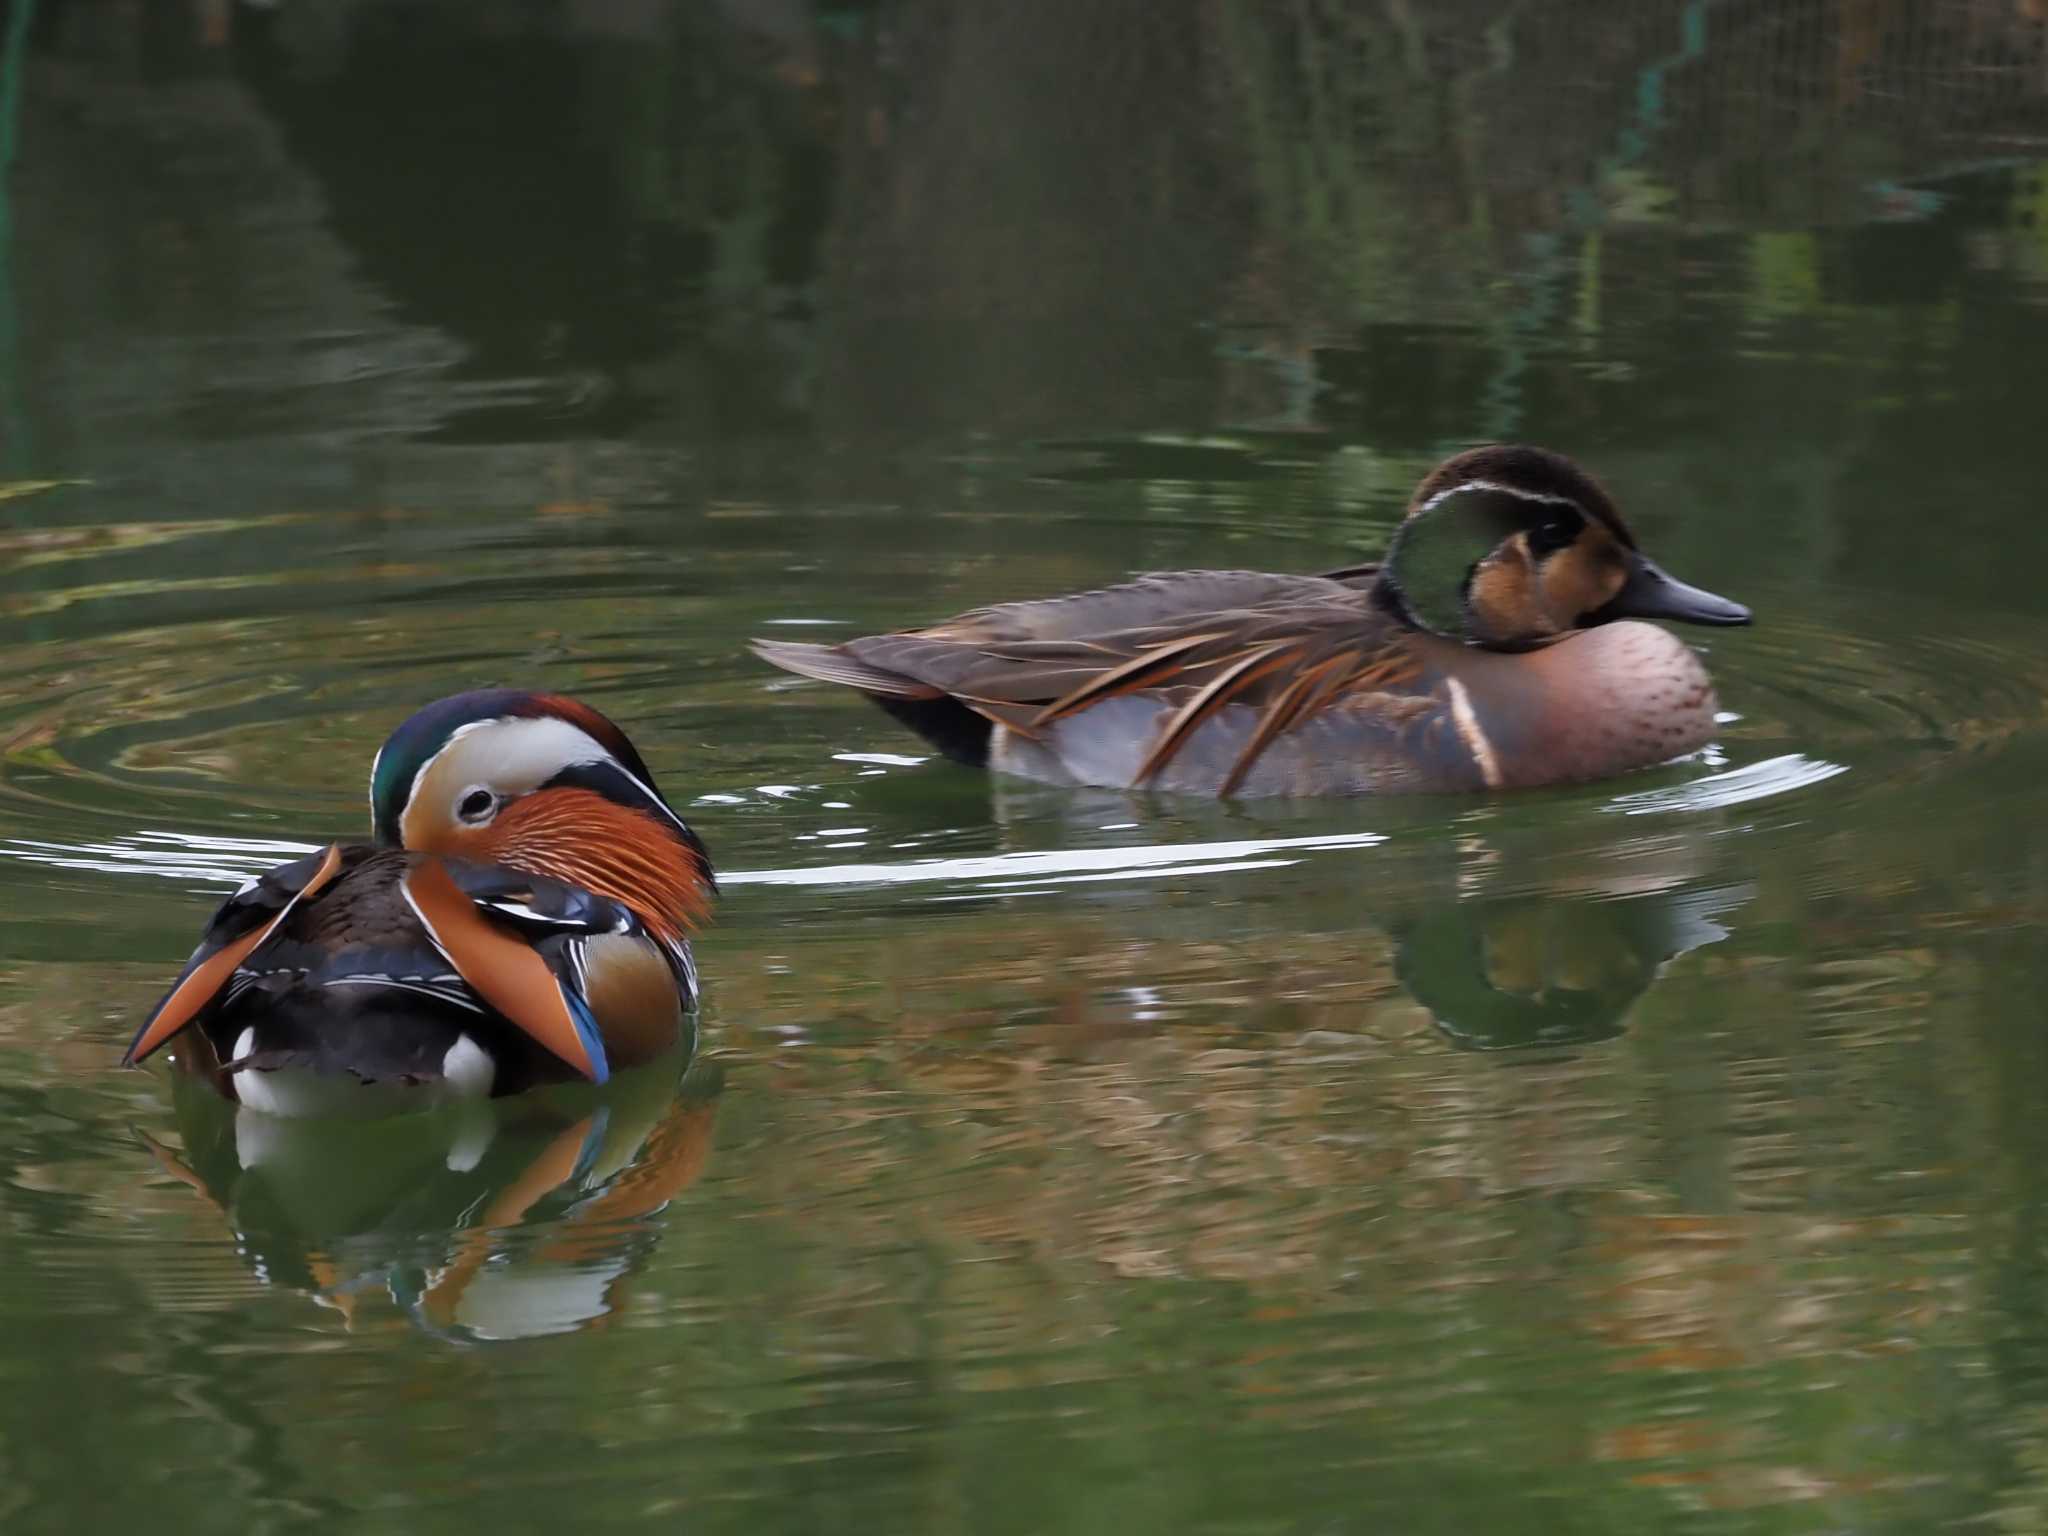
x,y
1663,1154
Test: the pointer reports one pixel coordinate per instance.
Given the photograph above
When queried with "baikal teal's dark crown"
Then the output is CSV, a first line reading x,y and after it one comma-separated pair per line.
x,y
420,738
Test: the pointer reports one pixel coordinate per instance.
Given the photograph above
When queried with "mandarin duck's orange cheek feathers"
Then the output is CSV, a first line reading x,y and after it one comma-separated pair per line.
x,y
547,784
637,854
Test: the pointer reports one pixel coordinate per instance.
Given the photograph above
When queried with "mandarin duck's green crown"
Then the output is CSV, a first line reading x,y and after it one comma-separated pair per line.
x,y
425,735
1510,546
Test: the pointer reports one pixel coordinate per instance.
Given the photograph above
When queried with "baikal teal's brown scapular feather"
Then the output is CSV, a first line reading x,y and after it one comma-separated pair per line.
x,y
1494,647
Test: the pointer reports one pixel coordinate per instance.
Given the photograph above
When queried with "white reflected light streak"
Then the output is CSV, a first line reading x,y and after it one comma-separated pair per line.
x,y
227,861
1108,863
1752,781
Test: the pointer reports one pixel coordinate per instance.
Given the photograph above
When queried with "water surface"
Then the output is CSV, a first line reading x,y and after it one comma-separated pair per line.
x,y
1659,1154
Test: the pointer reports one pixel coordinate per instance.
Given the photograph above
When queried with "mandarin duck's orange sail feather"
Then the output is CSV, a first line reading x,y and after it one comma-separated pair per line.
x,y
203,981
505,971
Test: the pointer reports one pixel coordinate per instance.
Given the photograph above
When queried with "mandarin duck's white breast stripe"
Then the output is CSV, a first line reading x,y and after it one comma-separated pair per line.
x,y
519,910
687,963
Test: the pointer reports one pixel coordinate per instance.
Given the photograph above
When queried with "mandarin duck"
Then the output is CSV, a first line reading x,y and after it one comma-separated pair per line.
x,y
1490,649
522,916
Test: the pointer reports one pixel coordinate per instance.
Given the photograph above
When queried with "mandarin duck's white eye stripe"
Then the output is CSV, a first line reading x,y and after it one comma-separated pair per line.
x,y
455,737
509,754
515,754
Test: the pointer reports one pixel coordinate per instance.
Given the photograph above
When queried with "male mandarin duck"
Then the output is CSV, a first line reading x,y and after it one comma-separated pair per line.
x,y
523,916
1483,653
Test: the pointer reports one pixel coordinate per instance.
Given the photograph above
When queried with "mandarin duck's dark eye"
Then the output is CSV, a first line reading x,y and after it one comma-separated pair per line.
x,y
1555,531
477,805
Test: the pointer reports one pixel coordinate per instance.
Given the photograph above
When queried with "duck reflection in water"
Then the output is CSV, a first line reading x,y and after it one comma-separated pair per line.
x,y
1503,973
1512,932
497,1219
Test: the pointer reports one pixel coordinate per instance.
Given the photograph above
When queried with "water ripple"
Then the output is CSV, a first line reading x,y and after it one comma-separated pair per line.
x,y
1753,781
228,861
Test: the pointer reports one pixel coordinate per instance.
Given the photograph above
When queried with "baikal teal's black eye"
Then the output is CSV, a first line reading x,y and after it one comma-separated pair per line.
x,y
1555,531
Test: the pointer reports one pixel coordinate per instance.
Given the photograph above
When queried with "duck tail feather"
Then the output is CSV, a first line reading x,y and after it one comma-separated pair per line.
x,y
832,664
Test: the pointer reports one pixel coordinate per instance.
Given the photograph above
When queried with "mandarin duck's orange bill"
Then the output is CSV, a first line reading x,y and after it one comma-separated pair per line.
x,y
1484,653
523,917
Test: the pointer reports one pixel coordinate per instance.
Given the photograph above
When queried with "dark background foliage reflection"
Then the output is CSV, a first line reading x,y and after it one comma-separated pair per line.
x,y
1654,1155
